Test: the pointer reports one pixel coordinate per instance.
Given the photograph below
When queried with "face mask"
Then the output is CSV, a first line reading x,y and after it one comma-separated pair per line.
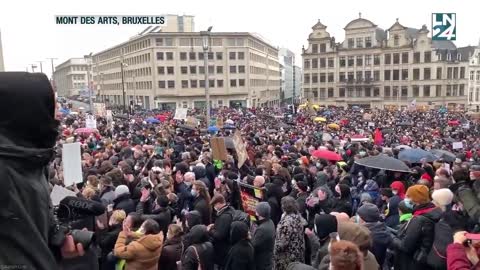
x,y
137,167
394,192
189,184
409,203
194,193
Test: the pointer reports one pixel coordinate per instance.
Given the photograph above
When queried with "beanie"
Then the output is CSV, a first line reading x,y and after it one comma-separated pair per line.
x,y
369,212
442,197
419,194
263,209
426,176
324,225
121,190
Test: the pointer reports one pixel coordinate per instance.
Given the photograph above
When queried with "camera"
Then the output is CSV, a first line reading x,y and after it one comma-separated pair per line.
x,y
69,210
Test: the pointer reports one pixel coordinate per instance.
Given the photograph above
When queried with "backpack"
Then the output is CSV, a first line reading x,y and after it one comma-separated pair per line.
x,y
238,215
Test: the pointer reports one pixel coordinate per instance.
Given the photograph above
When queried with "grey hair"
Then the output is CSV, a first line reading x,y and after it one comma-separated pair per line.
x,y
289,205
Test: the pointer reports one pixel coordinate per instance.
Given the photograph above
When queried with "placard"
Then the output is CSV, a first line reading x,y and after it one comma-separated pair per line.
x,y
59,193
240,148
250,197
100,109
72,164
371,124
192,121
90,122
219,150
181,114
457,145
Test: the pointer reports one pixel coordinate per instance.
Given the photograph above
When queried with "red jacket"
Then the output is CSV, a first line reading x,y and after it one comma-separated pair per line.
x,y
457,258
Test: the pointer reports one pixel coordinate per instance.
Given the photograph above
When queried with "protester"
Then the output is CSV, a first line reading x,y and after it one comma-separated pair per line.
x,y
201,201
200,253
220,230
264,238
241,255
172,248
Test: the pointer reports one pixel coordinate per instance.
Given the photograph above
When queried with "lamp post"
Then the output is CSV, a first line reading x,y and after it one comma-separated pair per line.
x,y
100,97
88,60
205,38
122,65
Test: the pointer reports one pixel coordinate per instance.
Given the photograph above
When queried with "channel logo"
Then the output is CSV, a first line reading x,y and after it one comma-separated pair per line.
x,y
444,26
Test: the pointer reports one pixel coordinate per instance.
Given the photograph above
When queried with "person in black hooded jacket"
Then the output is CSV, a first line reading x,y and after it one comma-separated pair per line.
x,y
28,131
344,202
161,212
273,196
241,255
200,252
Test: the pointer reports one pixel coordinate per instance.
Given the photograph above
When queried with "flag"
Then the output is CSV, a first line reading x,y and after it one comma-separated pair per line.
x,y
378,137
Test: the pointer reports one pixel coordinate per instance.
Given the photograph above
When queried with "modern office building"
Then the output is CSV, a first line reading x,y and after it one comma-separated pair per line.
x,y
166,70
297,83
287,62
380,68
70,77
2,65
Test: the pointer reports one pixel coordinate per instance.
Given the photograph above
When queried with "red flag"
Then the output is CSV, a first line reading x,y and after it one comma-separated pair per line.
x,y
378,137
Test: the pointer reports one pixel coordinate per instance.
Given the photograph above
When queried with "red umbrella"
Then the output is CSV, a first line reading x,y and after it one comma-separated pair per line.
x,y
84,130
344,122
162,117
453,123
328,155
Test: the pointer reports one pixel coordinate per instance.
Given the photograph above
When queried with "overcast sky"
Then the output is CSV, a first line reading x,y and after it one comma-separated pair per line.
x,y
29,32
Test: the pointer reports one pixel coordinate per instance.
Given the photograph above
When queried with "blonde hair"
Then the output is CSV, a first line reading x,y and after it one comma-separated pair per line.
x,y
118,216
175,230
88,192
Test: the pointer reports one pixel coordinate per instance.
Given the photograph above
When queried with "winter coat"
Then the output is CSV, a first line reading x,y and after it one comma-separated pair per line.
x,y
162,216
302,204
204,249
443,237
171,253
457,258
263,242
200,204
220,234
392,217
320,254
381,240
417,238
290,241
201,175
107,196
369,263
123,202
142,253
108,239
241,255
469,196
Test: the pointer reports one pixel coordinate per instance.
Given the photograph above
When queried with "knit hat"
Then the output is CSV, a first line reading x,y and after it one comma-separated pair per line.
x,y
369,212
263,209
365,198
442,197
405,208
426,176
345,255
324,225
305,160
419,194
121,190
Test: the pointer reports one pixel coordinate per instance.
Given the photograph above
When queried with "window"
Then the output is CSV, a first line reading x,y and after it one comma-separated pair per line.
x,y
350,77
427,57
341,76
368,42
342,61
439,73
396,74
404,74
461,90
359,42
449,90
192,56
368,76
368,60
351,61
426,90
159,41
376,75
169,55
405,58
368,91
211,69
323,62
240,55
314,78
438,90
306,78
315,63
331,61
359,76
306,64
193,84
349,92
202,83
396,40
388,59
322,93
233,69
351,43
386,75
193,70
322,77
472,75
314,48
455,72
330,92
416,90
171,84
210,55
462,73
395,91
170,70
219,83
219,55
241,82
426,73
241,69
359,60
449,57
200,56
161,70
330,77
341,92
376,92
169,42
159,55
161,84
184,83
396,58
416,74
416,57
183,56
219,69
404,91
201,70
232,55
211,83
376,59
323,47
233,83
477,76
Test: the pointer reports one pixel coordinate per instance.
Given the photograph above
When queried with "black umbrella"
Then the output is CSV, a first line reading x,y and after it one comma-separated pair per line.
x,y
444,154
405,124
383,162
186,127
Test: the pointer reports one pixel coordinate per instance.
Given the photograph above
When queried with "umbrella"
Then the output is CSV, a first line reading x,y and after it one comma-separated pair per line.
x,y
444,154
271,130
416,155
212,129
453,123
403,147
319,119
229,122
316,107
327,113
65,111
383,162
326,137
405,124
186,127
152,120
84,130
81,108
328,155
229,127
334,126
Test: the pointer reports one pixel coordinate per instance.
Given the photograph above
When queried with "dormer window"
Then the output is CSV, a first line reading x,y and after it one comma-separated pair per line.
x,y
459,57
449,56
396,40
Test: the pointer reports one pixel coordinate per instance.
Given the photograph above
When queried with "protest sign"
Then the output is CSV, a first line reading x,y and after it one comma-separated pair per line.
x,y
100,109
180,114
250,197
72,164
240,148
457,145
192,122
219,123
90,122
59,193
219,150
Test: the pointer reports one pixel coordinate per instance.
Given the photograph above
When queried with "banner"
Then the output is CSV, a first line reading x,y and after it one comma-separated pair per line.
x,y
180,114
250,196
72,164
240,149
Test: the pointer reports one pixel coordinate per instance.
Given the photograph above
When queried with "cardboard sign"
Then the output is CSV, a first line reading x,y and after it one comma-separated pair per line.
x,y
367,117
240,149
219,150
192,121
371,124
180,114
219,123
91,122
100,109
72,164
457,145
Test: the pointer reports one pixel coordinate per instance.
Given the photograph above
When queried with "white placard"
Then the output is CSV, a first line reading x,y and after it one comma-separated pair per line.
x,y
371,124
100,109
72,164
457,145
59,193
91,122
181,114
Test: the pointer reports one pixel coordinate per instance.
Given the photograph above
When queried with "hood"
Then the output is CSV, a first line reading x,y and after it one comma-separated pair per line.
x,y
355,233
379,233
35,128
198,234
194,218
398,185
238,231
199,171
151,241
371,185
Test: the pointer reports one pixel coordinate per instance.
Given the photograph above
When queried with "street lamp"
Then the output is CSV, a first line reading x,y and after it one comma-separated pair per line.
x,y
205,38
122,65
88,60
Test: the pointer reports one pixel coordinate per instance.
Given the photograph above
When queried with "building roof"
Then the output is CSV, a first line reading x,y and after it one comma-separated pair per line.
x,y
443,45
318,25
467,51
380,34
397,24
359,21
